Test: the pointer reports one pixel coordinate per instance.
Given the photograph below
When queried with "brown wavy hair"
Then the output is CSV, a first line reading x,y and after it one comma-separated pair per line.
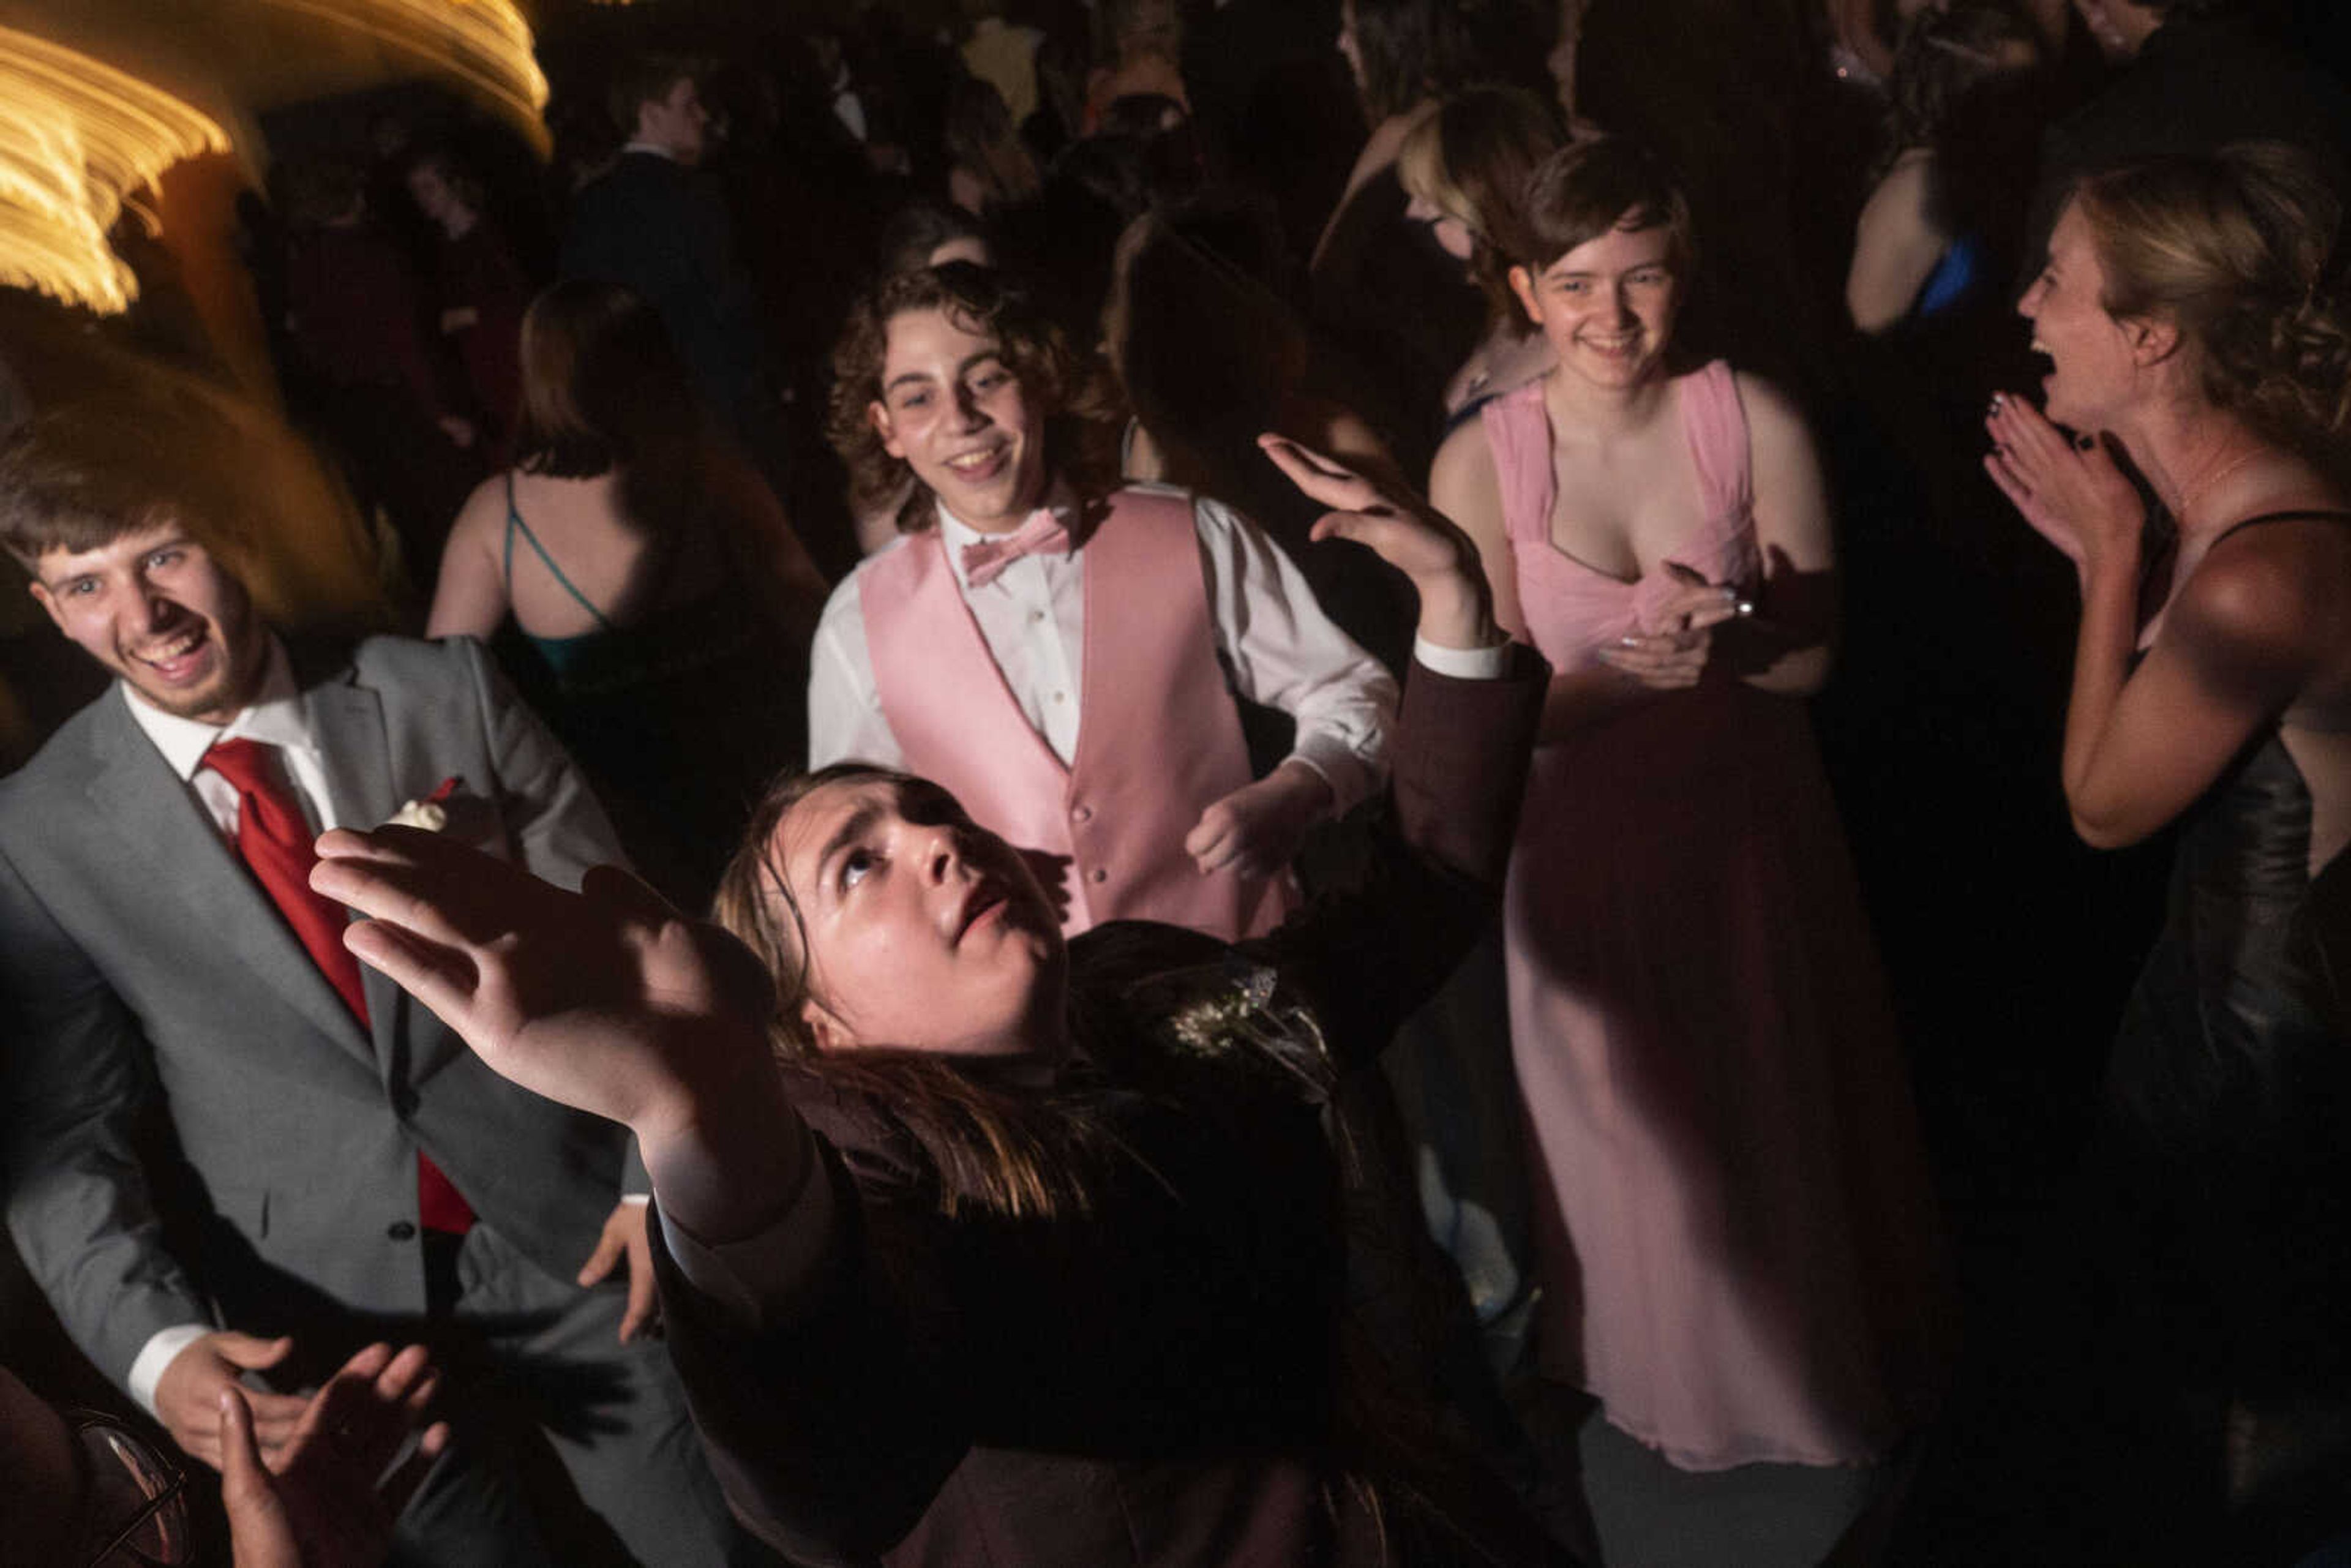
x,y
1082,412
1584,190
2239,250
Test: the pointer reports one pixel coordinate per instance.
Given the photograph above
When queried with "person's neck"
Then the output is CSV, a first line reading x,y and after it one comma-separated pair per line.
x,y
458,224
1580,409
1041,494
2192,456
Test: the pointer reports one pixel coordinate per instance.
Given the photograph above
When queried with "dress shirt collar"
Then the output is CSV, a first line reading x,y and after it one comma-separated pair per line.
x,y
277,716
652,148
955,533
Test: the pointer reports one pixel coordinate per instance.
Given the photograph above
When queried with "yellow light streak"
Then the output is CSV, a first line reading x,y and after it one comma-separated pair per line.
x,y
76,138
484,43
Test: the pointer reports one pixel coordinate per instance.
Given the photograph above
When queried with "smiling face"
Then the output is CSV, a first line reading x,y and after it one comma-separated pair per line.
x,y
954,410
155,609
923,931
2094,366
1607,306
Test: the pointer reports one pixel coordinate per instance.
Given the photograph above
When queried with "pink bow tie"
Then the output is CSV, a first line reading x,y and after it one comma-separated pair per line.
x,y
984,560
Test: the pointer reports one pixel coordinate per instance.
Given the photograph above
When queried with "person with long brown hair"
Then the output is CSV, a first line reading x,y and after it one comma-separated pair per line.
x,y
663,598
2193,313
1027,1248
1063,652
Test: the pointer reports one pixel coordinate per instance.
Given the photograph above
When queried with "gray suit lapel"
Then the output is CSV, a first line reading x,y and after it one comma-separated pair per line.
x,y
165,841
356,755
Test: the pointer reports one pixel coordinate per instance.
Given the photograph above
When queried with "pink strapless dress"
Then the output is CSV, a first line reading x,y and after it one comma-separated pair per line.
x,y
1736,1243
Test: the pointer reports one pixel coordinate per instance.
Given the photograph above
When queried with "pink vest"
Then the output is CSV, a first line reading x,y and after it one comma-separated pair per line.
x,y
1158,738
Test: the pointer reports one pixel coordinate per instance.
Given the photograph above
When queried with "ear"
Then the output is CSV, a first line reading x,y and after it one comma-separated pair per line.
x,y
2152,338
1522,284
827,1031
48,600
879,417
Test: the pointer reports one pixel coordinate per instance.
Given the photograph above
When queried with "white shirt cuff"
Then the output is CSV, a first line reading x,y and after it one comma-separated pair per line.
x,y
636,1197
755,1279
1463,664
147,1369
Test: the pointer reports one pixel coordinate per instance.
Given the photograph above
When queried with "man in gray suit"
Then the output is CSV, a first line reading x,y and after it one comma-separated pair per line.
x,y
330,1165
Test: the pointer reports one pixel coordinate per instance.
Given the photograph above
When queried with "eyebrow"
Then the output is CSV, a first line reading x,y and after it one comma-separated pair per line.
x,y
858,824
994,351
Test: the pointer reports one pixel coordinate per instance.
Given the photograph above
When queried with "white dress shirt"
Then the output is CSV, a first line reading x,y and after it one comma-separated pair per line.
x,y
1277,646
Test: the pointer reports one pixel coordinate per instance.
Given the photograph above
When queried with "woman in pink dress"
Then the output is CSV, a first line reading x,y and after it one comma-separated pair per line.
x,y
1737,1248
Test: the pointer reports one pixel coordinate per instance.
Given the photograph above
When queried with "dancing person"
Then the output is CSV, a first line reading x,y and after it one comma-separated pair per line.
x,y
989,166
1946,213
478,285
1737,1257
2191,313
2197,76
227,1154
1465,170
1382,294
1025,1247
655,226
1064,654
666,602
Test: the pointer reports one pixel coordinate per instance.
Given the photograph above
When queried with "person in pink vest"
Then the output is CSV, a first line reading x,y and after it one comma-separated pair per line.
x,y
1062,653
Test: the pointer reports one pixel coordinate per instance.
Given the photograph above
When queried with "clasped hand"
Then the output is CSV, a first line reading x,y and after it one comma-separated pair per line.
x,y
2073,492
1675,657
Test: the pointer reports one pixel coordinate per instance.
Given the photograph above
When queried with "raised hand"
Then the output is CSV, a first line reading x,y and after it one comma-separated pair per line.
x,y
1404,531
2073,493
324,1500
607,999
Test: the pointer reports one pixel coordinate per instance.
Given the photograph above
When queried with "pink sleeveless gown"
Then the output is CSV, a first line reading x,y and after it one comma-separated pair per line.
x,y
1736,1249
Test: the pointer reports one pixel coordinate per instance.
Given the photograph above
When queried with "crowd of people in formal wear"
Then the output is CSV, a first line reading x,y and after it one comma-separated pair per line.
x,y
1144,782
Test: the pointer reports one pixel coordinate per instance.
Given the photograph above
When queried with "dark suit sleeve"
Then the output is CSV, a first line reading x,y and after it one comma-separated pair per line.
x,y
1369,956
73,1078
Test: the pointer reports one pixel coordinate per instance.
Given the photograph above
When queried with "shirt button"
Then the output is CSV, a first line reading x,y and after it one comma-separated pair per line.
x,y
400,1230
1060,697
1100,875
1083,813
1035,616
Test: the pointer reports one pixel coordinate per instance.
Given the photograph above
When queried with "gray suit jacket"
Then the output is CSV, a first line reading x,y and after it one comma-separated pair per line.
x,y
136,954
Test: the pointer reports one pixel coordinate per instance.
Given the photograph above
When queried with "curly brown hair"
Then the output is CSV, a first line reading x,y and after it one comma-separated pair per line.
x,y
1083,411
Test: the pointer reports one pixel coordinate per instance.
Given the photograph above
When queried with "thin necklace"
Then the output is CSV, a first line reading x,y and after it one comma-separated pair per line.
x,y
2191,494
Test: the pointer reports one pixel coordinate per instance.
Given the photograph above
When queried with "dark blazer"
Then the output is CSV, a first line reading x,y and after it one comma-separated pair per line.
x,y
1166,1380
2197,85
136,954
663,232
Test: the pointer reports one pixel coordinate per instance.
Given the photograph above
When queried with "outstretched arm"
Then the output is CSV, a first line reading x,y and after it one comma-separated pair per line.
x,y
607,1000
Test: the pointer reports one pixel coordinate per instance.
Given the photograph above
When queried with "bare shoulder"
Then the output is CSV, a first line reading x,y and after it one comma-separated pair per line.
x,y
2275,588
1464,467
1774,417
482,515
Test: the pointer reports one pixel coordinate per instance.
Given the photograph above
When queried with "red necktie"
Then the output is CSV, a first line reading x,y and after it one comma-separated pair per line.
x,y
275,843
984,560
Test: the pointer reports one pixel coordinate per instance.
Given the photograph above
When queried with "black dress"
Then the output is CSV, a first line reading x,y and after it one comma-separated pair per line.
x,y
2220,1180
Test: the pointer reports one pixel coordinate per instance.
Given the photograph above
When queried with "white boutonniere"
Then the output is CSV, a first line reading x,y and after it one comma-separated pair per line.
x,y
431,813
